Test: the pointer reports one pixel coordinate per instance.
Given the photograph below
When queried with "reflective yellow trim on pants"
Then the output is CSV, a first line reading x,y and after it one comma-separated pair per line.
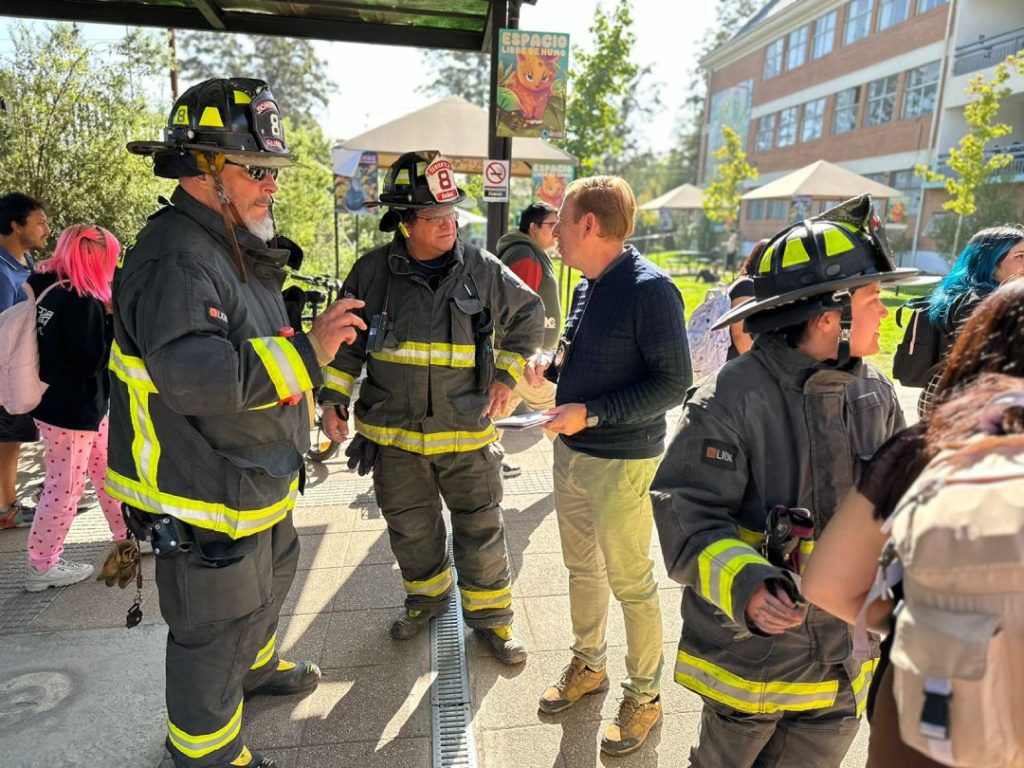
x,y
719,565
862,683
428,443
510,362
283,364
202,514
435,586
338,380
130,369
430,353
201,745
751,696
266,653
473,600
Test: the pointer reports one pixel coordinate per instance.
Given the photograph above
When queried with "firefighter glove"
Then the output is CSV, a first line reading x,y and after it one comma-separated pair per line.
x,y
362,454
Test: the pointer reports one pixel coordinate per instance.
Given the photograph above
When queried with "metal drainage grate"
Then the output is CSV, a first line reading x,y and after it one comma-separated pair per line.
x,y
451,719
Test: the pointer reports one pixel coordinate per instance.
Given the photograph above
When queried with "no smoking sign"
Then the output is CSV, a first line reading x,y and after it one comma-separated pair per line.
x,y
496,180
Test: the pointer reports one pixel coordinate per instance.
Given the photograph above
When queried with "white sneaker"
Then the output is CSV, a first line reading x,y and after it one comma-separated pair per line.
x,y
63,574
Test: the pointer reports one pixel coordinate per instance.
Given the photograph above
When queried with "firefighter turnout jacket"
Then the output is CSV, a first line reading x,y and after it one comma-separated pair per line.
x,y
427,386
202,371
774,428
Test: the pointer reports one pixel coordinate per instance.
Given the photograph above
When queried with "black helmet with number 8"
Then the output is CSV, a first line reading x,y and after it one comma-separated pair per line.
x,y
237,118
422,179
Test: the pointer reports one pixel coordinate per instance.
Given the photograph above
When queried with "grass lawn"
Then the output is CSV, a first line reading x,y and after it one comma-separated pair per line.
x,y
693,292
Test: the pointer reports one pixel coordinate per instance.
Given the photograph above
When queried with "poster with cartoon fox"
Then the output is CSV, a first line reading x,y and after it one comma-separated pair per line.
x,y
533,69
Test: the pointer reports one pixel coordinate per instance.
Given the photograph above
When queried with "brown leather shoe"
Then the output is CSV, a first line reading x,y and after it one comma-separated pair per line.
x,y
577,680
631,726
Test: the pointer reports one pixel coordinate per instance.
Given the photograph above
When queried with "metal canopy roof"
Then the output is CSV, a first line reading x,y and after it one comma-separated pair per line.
x,y
453,24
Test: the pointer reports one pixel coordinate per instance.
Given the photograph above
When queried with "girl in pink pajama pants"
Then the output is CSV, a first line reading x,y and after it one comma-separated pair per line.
x,y
75,333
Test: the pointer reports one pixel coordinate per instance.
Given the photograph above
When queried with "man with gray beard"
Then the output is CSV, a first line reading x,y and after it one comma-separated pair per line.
x,y
209,413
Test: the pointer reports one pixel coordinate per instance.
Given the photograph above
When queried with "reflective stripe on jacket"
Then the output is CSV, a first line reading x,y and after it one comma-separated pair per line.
x,y
198,368
773,428
421,391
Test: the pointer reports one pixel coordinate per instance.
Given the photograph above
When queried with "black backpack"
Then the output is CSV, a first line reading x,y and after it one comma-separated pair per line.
x,y
919,354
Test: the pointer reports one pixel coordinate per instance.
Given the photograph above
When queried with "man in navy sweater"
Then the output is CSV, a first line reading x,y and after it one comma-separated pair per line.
x,y
621,364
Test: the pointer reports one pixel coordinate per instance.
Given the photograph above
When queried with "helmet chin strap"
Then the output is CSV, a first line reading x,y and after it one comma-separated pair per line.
x,y
845,327
228,212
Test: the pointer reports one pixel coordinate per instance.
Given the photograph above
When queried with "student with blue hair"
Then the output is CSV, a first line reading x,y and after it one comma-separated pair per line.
x,y
990,258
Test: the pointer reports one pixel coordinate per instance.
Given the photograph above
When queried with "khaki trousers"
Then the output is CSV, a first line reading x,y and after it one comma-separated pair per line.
x,y
605,521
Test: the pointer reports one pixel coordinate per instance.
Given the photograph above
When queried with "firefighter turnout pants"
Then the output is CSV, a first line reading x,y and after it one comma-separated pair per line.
x,y
813,739
222,636
409,488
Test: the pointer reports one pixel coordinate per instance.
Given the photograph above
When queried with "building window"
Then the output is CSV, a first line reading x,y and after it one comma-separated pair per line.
x,y
858,21
773,59
814,120
755,210
924,6
882,177
844,119
765,132
824,35
778,209
910,186
824,205
892,12
797,48
787,127
881,100
922,86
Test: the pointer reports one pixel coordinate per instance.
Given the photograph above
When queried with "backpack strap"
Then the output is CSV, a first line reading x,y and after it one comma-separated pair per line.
x,y
42,295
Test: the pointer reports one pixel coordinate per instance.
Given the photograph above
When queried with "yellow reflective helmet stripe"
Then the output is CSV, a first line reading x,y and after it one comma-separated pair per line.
x,y
338,380
837,242
473,600
511,362
861,683
196,746
180,116
766,260
283,364
751,696
211,118
718,565
430,353
241,97
435,586
428,443
266,653
202,514
794,252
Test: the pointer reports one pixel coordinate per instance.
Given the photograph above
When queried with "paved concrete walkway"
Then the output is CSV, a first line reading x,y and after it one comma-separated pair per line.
x,y
77,689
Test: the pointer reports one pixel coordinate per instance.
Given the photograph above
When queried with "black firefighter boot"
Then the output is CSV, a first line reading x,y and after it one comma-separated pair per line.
x,y
506,647
288,679
247,759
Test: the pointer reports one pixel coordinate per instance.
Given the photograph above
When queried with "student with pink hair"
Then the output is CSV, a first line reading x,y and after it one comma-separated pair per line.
x,y
74,327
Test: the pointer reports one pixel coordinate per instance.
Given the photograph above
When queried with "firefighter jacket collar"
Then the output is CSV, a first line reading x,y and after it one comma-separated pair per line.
x,y
796,371
212,221
399,257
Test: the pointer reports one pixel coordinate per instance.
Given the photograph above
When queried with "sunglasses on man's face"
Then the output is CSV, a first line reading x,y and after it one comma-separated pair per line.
x,y
257,172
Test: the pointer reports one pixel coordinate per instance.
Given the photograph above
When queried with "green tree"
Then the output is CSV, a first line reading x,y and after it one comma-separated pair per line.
x,y
972,167
722,196
296,74
602,85
458,73
70,108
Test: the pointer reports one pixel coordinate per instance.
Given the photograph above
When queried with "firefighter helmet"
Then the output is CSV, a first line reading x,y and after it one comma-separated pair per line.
x,y
420,179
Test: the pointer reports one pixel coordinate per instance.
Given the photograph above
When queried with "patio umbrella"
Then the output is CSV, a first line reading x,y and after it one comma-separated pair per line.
x,y
455,127
821,180
683,198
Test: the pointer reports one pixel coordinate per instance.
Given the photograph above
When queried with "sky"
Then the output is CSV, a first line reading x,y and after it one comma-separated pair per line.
x,y
377,83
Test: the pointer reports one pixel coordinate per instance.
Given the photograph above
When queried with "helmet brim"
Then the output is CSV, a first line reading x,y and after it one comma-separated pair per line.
x,y
416,206
264,159
753,306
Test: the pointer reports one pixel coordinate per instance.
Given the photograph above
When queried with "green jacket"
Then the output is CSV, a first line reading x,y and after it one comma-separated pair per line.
x,y
422,392
516,246
774,427
198,369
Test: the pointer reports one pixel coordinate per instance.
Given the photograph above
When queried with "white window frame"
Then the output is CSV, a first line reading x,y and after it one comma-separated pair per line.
x,y
923,6
917,94
796,56
773,58
789,126
841,110
814,115
888,13
891,86
824,35
755,210
765,139
857,26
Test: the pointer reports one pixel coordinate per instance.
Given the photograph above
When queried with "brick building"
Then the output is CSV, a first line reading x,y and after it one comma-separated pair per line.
x,y
873,85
